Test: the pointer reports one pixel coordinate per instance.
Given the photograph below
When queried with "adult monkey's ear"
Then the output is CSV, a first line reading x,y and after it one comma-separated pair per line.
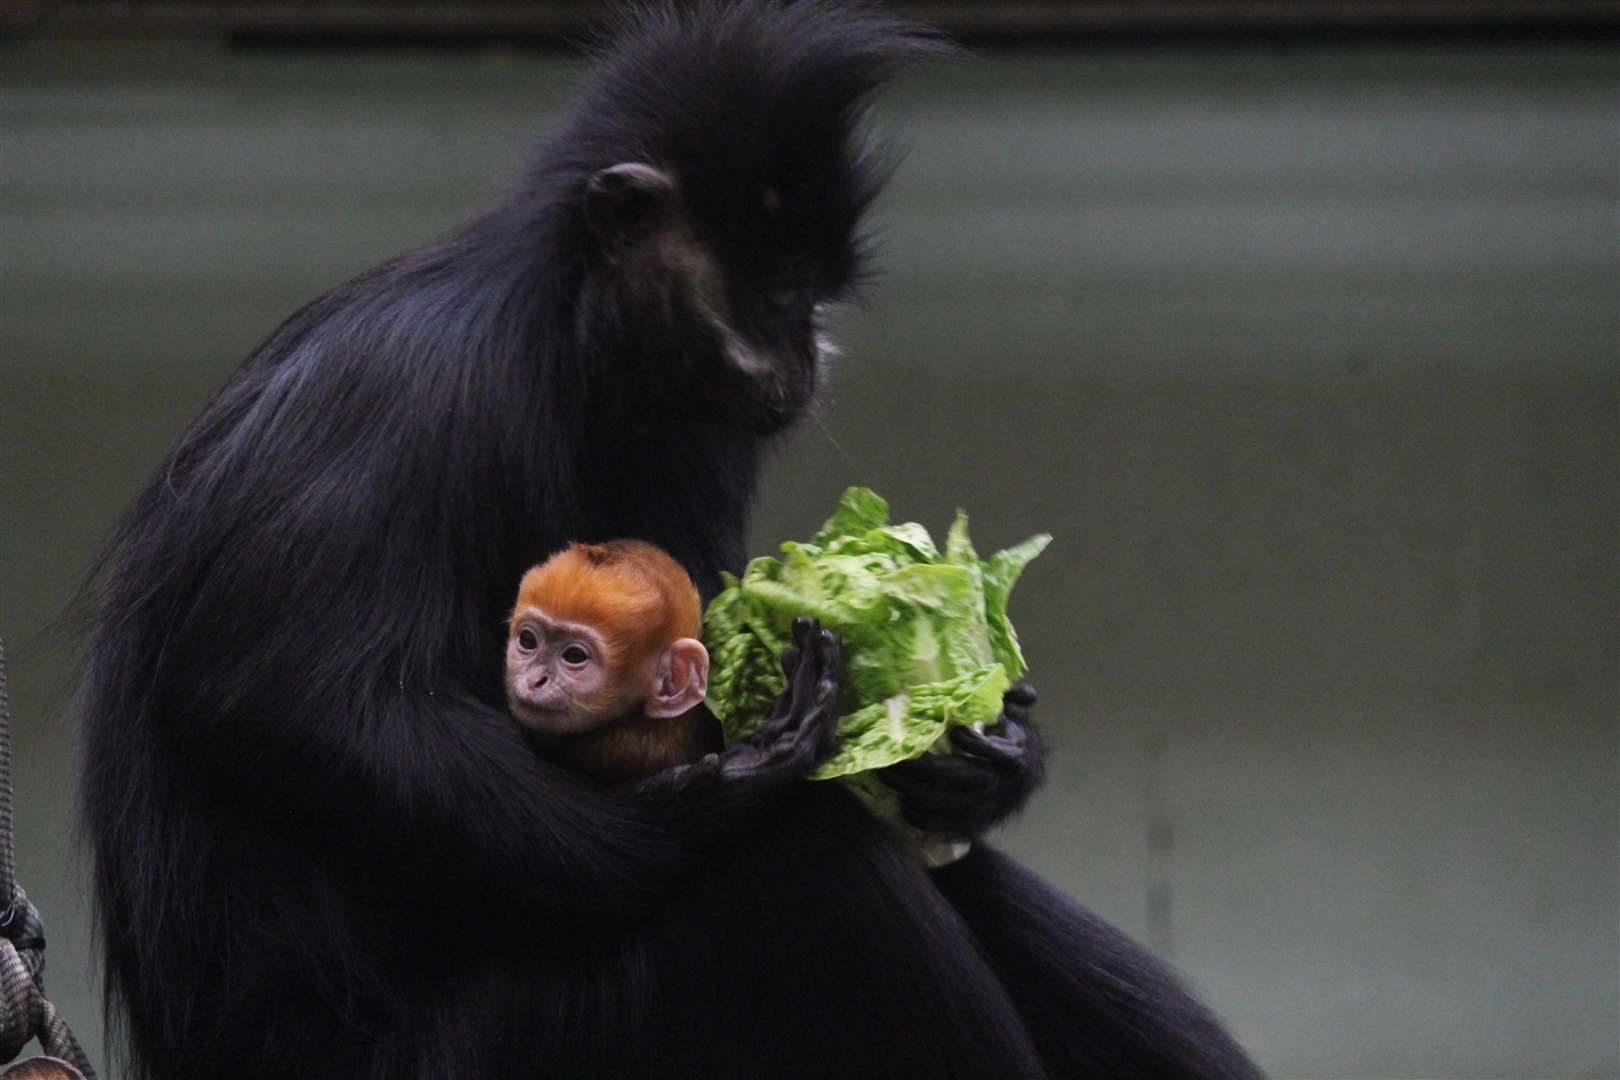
x,y
624,202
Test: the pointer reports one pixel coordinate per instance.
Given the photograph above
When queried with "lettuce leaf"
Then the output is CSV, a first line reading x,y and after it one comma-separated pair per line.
x,y
926,640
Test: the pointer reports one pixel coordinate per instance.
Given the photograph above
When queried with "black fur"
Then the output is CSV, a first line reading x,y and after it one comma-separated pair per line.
x,y
323,850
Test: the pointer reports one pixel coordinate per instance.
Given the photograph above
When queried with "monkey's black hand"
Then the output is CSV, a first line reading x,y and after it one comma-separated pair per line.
x,y
988,778
801,732
803,728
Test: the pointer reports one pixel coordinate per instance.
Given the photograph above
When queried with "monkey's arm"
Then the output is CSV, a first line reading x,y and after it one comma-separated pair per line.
x,y
440,795
600,847
987,779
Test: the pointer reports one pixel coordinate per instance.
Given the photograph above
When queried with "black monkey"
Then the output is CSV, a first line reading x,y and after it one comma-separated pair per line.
x,y
321,847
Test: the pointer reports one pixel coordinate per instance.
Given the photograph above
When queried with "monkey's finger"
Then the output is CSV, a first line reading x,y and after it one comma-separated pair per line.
x,y
941,783
1015,705
800,675
829,659
799,664
803,666
811,725
827,736
805,628
1005,751
803,726
1020,694
812,659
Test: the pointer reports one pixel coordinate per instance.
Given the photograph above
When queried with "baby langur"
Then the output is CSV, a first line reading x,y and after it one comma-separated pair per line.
x,y
603,664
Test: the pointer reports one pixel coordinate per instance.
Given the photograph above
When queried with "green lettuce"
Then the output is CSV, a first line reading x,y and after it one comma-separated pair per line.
x,y
926,640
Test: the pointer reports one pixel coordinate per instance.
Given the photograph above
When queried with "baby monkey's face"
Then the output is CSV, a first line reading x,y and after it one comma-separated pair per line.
x,y
562,678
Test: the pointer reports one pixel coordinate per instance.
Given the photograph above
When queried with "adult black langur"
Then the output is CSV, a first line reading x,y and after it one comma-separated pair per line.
x,y
322,847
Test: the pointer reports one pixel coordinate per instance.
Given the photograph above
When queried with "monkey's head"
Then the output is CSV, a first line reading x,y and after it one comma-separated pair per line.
x,y
722,201
601,632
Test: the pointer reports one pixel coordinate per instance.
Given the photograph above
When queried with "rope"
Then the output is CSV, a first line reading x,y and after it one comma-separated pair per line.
x,y
8,853
25,1011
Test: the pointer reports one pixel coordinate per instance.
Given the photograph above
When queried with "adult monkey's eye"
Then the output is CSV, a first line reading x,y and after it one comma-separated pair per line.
x,y
575,654
783,298
527,641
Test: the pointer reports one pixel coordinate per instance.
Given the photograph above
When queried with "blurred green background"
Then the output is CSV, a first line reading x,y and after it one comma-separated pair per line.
x,y
1307,356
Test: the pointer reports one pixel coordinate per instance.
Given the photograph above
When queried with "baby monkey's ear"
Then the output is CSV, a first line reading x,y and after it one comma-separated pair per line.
x,y
682,680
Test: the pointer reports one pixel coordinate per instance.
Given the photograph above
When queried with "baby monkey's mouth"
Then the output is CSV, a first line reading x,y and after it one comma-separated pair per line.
x,y
549,720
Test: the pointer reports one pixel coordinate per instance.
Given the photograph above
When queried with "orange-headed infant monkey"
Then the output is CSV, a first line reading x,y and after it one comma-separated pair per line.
x,y
603,661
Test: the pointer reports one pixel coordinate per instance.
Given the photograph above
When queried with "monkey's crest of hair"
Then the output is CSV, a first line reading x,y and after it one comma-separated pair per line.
x,y
628,590
757,109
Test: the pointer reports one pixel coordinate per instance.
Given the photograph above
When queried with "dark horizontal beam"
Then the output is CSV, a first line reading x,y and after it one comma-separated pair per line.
x,y
559,23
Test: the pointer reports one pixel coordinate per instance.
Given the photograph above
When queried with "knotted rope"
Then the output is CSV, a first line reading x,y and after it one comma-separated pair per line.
x,y
25,1011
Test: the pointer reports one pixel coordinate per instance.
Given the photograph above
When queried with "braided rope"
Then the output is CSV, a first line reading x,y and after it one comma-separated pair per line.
x,y
42,1068
25,1011
8,854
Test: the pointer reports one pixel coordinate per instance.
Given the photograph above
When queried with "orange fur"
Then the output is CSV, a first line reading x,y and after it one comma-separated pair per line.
x,y
634,594
640,600
641,746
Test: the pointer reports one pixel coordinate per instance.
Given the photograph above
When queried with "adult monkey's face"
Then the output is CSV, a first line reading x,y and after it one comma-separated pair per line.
x,y
731,309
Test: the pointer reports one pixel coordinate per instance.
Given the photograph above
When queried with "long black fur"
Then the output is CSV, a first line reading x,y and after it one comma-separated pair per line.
x,y
322,849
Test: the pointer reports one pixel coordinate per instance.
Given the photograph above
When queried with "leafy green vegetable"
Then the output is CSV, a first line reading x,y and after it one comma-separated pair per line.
x,y
926,640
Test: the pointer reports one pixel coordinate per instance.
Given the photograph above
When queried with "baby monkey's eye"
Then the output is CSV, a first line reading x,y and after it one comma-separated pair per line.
x,y
526,640
575,654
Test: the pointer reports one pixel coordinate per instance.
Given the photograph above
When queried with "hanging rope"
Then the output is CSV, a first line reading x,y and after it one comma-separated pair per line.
x,y
25,1011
